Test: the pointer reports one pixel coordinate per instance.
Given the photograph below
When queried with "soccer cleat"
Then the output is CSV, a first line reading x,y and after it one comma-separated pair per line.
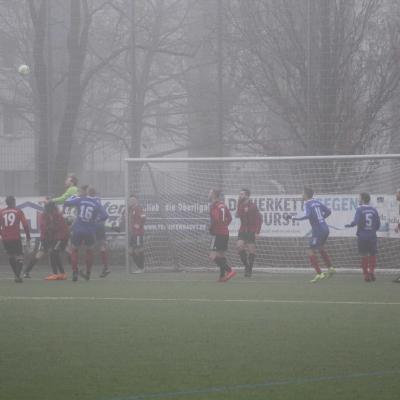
x,y
62,277
52,277
26,275
397,280
367,278
229,275
221,279
372,277
331,271
318,277
104,273
86,277
138,271
74,276
18,279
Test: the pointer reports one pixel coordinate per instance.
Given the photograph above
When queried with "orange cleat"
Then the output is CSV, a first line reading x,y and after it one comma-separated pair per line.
x,y
62,277
52,277
229,275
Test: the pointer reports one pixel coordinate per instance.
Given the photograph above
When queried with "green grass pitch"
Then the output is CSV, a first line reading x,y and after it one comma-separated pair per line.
x,y
185,337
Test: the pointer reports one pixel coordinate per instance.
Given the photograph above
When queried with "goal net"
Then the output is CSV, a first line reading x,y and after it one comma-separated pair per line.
x,y
174,195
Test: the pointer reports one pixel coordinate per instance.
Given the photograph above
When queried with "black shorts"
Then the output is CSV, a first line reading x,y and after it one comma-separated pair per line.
x,y
247,237
13,247
55,245
136,241
82,238
219,243
100,232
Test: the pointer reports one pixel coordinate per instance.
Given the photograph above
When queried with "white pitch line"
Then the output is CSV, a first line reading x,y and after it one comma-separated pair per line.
x,y
199,300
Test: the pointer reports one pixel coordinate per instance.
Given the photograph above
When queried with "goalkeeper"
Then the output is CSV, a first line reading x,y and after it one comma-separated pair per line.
x,y
71,184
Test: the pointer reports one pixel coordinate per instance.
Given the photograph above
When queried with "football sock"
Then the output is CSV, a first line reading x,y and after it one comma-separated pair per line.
x,y
104,258
13,263
326,258
141,260
226,267
243,258
53,263
74,260
364,265
136,259
89,260
372,264
59,263
19,266
219,261
314,263
252,257
31,264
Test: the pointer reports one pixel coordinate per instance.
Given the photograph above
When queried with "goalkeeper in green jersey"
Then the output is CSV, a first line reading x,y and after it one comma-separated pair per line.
x,y
72,190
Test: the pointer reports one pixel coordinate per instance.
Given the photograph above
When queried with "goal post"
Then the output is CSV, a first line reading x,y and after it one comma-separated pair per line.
x,y
174,195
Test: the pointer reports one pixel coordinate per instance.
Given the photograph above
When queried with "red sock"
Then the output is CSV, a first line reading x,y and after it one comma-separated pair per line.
x,y
364,266
74,259
314,263
372,264
104,258
89,260
326,258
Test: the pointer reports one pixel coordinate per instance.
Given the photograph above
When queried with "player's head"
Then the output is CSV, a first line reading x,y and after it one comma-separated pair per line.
x,y
49,207
83,190
308,193
91,191
244,195
398,195
71,180
133,200
215,194
365,198
10,201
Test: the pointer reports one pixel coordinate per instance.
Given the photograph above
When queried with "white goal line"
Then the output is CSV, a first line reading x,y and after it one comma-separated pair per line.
x,y
197,300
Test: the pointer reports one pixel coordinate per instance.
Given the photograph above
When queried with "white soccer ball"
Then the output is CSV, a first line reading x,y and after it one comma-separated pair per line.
x,y
23,69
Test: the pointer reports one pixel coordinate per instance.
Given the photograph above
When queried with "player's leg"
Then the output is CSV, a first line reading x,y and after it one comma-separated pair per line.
x,y
9,248
103,248
323,237
76,241
251,246
38,255
241,249
215,256
135,239
19,259
312,256
363,251
221,245
89,242
59,249
373,249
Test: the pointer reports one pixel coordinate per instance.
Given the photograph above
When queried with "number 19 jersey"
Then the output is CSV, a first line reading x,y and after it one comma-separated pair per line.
x,y
10,221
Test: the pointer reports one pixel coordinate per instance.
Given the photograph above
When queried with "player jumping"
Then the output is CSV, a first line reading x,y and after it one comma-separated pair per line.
x,y
89,213
250,226
71,183
220,219
316,212
368,222
10,219
54,235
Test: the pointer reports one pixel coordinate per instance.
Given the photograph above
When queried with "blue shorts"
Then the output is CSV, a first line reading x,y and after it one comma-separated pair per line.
x,y
318,239
367,246
80,238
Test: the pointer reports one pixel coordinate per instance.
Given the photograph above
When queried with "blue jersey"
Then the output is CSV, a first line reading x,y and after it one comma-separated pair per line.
x,y
367,221
89,213
316,212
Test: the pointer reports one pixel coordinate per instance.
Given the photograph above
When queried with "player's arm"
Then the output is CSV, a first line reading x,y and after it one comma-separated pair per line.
x,y
25,225
228,216
72,201
71,191
259,220
304,217
142,216
378,222
101,213
355,221
326,212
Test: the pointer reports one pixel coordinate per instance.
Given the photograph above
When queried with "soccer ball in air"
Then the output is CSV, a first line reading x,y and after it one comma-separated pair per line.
x,y
23,69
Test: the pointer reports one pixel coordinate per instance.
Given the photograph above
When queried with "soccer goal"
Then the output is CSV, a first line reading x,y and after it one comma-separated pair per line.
x,y
174,195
